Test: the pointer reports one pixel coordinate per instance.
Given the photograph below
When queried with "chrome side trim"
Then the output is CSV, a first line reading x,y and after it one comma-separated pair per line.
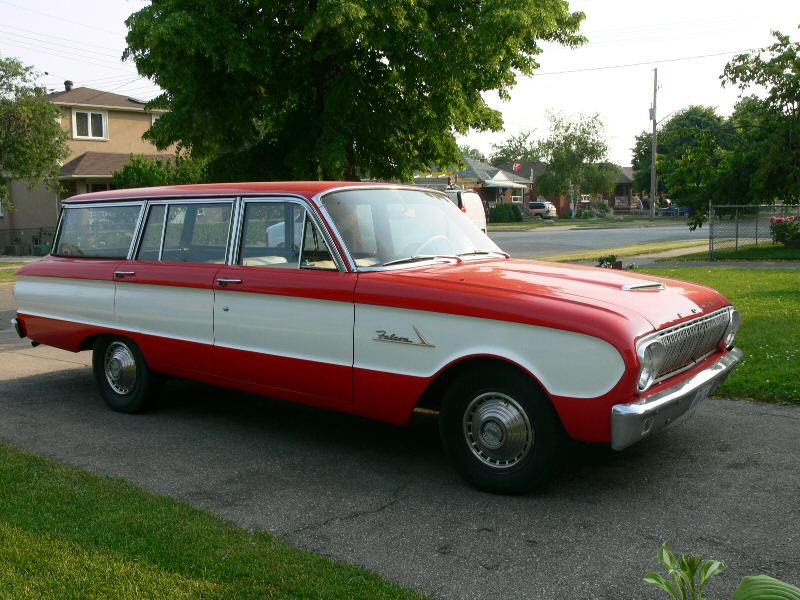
x,y
632,422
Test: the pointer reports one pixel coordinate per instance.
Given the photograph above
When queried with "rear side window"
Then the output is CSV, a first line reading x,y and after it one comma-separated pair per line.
x,y
196,233
97,231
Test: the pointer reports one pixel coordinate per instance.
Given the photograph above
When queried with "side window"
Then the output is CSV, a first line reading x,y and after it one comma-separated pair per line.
x,y
272,234
97,231
316,254
151,238
196,233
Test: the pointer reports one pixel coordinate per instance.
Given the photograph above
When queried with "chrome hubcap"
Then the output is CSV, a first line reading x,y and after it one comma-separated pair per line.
x,y
120,368
497,430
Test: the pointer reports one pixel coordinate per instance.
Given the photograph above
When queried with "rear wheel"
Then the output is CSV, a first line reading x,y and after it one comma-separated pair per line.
x,y
125,381
500,431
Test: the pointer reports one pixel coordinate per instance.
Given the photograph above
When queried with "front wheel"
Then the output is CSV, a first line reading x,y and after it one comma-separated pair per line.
x,y
125,381
500,431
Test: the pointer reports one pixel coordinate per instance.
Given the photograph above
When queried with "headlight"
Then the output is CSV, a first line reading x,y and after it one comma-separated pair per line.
x,y
730,331
651,358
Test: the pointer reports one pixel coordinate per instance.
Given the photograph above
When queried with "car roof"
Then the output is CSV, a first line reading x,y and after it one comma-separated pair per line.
x,y
307,189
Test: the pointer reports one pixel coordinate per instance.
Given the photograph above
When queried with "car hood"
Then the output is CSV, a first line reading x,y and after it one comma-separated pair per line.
x,y
624,292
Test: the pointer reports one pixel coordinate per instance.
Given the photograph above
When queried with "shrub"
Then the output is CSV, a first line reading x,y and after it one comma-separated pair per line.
x,y
785,229
505,213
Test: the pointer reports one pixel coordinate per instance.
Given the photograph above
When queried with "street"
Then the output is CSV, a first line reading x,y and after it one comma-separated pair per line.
x,y
722,483
539,243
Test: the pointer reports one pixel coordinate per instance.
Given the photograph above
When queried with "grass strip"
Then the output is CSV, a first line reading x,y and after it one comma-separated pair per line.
x,y
65,533
771,252
8,275
624,251
769,303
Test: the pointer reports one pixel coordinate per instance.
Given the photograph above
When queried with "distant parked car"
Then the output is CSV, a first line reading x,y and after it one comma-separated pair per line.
x,y
674,209
543,209
471,205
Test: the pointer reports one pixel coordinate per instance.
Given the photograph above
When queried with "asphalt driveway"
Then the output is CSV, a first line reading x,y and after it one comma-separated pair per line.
x,y
724,484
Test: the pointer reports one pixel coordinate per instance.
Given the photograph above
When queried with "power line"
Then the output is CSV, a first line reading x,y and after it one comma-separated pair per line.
x,y
39,12
57,45
50,35
646,63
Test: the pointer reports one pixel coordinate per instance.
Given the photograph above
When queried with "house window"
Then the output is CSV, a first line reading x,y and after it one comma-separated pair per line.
x,y
154,118
98,187
89,125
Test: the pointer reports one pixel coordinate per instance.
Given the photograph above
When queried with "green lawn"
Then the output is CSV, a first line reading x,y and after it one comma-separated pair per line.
x,y
770,252
769,303
68,534
8,271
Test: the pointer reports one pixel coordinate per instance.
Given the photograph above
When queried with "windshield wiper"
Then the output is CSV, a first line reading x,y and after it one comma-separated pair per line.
x,y
419,257
483,252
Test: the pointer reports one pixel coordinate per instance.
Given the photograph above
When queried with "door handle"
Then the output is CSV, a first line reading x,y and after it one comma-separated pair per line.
x,y
223,281
121,274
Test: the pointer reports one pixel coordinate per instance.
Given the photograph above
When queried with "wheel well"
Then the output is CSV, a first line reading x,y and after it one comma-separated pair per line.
x,y
431,399
88,342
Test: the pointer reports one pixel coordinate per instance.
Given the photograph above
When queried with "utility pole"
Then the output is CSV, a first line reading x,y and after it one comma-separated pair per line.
x,y
653,175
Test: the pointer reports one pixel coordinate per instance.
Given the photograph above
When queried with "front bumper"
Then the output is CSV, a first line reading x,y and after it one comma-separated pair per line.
x,y
632,422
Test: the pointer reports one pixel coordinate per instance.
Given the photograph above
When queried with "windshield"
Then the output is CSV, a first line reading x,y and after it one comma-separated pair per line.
x,y
381,226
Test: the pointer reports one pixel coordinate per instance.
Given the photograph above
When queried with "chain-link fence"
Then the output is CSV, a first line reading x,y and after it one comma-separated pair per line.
x,y
743,226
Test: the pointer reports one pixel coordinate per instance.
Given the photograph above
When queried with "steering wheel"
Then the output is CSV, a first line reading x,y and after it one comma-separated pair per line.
x,y
430,240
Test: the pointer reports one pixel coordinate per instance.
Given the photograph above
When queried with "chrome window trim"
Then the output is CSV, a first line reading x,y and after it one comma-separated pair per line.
x,y
308,209
317,199
65,207
137,231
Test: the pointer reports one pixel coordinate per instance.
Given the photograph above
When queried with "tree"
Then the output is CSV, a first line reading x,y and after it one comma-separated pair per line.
x,y
516,148
575,154
681,130
141,171
335,88
769,127
32,142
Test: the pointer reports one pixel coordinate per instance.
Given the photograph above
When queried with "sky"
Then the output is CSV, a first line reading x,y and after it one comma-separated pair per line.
x,y
612,75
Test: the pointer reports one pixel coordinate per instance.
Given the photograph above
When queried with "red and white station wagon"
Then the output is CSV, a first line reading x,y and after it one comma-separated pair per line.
x,y
373,300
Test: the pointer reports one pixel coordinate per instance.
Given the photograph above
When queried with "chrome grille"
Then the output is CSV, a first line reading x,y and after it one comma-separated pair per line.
x,y
689,342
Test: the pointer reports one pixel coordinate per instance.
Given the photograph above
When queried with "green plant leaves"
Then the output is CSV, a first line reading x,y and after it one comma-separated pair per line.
x,y
762,587
658,581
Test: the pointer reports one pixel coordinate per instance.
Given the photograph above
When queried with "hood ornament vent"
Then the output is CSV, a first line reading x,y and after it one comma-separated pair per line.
x,y
650,285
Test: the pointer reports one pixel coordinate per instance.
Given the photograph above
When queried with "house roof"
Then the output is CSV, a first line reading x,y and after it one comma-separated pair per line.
x,y
100,164
527,168
627,174
479,170
84,96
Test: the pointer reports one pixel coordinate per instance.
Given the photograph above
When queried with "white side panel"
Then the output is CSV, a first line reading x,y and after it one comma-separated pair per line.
x,y
169,311
318,330
566,363
82,300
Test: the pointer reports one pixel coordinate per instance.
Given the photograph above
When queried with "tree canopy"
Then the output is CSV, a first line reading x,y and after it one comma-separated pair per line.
x,y
141,171
518,147
751,157
32,143
335,88
575,153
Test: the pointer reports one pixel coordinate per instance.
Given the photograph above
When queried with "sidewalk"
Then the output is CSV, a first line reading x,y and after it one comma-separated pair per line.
x,y
4,258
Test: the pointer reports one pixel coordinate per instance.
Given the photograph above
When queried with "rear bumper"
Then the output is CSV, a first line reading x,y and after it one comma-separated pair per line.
x,y
632,422
18,327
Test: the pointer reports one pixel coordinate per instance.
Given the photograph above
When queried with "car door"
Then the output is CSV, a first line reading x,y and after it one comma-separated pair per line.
x,y
283,312
165,295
